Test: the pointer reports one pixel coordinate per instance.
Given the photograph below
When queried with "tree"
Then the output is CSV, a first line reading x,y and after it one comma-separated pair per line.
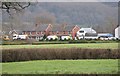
x,y
45,18
13,9
17,6
111,24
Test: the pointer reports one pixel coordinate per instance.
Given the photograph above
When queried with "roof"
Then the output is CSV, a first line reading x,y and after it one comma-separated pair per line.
x,y
105,34
42,27
88,30
35,35
91,34
62,35
59,27
118,27
16,31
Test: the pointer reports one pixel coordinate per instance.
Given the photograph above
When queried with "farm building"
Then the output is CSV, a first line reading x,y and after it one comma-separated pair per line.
x,y
38,32
86,33
64,30
117,32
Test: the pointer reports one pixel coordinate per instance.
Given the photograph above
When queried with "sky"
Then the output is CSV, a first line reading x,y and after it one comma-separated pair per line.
x,y
64,0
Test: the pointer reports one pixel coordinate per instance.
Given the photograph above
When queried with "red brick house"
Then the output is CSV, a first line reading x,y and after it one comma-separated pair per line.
x,y
63,30
38,32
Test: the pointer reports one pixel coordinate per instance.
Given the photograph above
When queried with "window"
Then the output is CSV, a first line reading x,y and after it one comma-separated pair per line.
x,y
81,31
69,32
14,36
52,32
30,33
57,32
42,33
64,32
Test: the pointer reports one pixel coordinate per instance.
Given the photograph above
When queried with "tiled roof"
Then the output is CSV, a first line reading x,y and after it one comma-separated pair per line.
x,y
88,30
42,27
62,28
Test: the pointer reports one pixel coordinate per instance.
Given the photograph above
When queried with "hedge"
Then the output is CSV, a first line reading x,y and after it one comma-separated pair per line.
x,y
24,42
16,55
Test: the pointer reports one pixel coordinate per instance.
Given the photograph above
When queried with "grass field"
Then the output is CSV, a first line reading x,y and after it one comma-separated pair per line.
x,y
102,66
107,66
82,45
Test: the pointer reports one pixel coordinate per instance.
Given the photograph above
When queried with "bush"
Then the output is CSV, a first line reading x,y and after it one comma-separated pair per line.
x,y
60,74
41,39
55,39
47,39
65,39
14,55
15,42
51,39
78,41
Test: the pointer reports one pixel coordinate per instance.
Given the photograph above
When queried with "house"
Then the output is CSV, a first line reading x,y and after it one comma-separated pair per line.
x,y
86,33
17,34
38,32
117,32
64,30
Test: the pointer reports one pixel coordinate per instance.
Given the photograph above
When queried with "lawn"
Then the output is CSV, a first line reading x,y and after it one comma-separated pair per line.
x,y
82,45
102,66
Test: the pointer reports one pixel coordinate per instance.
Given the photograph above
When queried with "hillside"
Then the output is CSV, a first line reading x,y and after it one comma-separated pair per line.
x,y
95,14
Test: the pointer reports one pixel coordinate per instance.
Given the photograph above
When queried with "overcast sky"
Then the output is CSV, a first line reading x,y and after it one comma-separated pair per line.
x,y
64,0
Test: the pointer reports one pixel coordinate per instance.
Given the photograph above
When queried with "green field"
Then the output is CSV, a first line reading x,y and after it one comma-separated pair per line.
x,y
107,66
82,45
102,66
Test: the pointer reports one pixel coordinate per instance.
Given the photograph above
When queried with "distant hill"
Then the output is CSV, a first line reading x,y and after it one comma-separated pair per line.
x,y
84,14
77,12
111,4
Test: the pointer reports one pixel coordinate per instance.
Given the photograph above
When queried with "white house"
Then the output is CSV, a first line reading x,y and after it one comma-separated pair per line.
x,y
117,32
17,34
87,33
83,31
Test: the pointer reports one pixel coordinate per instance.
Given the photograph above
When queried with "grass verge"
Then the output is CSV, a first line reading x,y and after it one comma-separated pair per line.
x,y
102,66
82,45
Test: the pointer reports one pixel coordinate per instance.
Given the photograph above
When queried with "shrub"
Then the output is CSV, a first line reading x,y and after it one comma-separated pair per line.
x,y
41,39
78,41
55,39
65,39
47,39
51,39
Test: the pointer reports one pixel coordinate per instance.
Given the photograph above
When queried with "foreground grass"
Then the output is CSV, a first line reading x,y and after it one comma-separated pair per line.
x,y
107,66
82,45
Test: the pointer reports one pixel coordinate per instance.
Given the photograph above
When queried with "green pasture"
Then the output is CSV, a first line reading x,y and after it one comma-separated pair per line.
x,y
102,66
81,45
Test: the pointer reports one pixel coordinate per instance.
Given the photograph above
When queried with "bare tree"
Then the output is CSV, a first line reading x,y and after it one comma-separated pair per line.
x,y
111,24
17,6
14,9
45,18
